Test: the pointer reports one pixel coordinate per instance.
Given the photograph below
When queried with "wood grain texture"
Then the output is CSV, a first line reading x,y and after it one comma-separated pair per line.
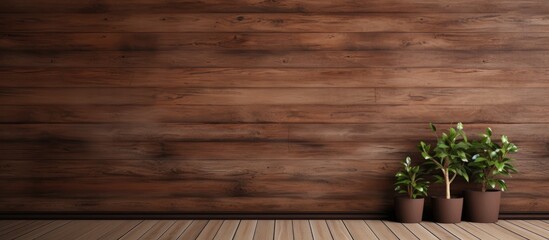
x,y
275,22
309,6
273,41
23,77
260,106
277,59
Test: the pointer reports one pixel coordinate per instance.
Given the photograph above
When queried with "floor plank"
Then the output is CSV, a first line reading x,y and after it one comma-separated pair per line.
x,y
359,229
466,226
497,231
139,230
209,231
120,230
246,230
99,230
227,230
457,231
176,229
269,229
380,229
539,223
10,224
400,230
28,228
320,230
72,230
283,230
193,230
21,225
44,229
530,227
302,230
419,231
519,230
339,230
157,230
264,230
437,230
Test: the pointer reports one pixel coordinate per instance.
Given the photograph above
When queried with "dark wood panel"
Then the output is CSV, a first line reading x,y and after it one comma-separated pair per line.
x,y
268,77
251,59
275,22
208,6
463,96
155,132
411,132
186,96
520,203
246,199
275,114
274,41
200,205
151,132
255,106
274,96
529,159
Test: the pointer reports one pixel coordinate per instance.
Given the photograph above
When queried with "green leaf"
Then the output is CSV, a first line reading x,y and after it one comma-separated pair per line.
x,y
433,127
502,184
489,132
504,139
500,166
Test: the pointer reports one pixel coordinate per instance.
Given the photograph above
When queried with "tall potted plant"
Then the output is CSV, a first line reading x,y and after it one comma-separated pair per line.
x,y
410,181
449,156
490,160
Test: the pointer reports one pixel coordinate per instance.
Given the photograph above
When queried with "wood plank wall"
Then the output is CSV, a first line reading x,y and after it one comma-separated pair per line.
x,y
259,106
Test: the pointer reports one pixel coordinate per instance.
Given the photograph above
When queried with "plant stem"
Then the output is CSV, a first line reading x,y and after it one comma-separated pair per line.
x,y
447,181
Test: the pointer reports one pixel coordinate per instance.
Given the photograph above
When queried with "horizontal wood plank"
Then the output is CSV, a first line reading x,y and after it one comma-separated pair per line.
x,y
275,22
278,59
156,132
391,152
462,96
275,114
299,133
186,96
299,6
273,41
24,77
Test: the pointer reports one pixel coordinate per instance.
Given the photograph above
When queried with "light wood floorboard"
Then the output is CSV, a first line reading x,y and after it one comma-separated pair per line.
x,y
268,229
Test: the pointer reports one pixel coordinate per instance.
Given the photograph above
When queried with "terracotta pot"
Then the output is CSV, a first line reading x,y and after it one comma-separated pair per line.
x,y
408,210
447,210
482,206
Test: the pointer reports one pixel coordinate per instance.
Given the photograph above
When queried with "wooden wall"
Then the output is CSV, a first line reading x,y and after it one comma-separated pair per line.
x,y
259,106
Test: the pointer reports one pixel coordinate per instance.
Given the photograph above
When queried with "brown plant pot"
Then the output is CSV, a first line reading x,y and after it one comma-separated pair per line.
x,y
482,206
408,210
447,210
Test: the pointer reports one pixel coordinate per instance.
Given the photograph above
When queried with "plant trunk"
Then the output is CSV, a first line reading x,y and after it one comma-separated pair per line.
x,y
447,181
483,186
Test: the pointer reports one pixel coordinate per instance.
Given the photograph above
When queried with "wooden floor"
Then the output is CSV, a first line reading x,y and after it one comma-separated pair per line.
x,y
268,229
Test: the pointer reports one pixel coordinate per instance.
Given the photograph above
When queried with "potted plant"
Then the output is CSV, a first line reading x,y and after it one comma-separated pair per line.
x,y
450,156
489,161
409,208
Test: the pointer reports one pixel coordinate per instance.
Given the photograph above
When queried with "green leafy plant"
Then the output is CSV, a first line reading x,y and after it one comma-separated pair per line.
x,y
490,161
450,155
410,181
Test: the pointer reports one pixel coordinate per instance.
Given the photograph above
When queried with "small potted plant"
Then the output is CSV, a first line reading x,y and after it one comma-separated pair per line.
x,y
489,161
409,208
450,156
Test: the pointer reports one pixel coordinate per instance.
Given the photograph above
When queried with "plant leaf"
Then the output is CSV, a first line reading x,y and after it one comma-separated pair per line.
x,y
433,127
